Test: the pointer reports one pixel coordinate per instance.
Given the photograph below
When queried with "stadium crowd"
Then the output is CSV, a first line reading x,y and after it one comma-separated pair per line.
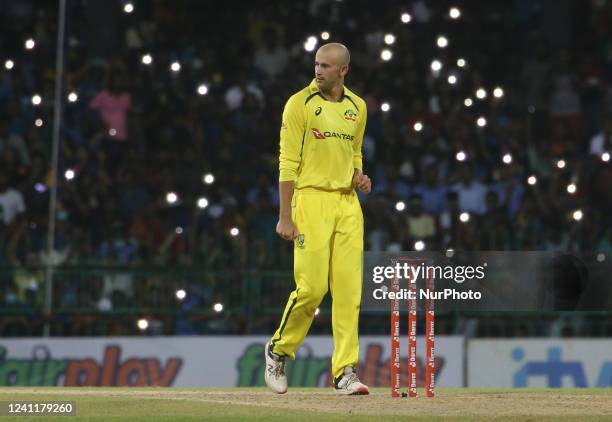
x,y
171,117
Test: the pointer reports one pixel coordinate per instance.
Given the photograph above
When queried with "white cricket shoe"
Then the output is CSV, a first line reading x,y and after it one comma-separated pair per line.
x,y
275,371
348,384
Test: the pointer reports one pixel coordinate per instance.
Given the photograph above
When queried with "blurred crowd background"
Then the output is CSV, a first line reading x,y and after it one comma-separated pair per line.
x,y
496,136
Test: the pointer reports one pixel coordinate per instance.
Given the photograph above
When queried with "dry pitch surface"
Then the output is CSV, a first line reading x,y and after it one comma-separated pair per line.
x,y
305,404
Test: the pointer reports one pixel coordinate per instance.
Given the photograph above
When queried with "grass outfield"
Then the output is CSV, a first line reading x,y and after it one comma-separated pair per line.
x,y
317,404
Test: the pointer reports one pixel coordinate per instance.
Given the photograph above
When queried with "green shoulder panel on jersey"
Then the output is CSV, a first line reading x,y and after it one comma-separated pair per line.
x,y
311,96
311,91
354,98
348,97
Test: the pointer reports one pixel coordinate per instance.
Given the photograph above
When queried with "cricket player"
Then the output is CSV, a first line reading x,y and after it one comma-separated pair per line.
x,y
320,167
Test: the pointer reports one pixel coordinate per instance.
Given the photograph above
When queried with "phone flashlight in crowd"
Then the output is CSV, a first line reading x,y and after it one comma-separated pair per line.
x,y
143,324
171,197
202,203
202,89
405,18
181,294
69,174
310,44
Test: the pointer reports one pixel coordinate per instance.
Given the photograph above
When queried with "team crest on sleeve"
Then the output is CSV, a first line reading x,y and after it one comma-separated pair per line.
x,y
300,241
350,115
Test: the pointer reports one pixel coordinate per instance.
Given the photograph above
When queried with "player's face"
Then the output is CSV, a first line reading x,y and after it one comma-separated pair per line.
x,y
327,70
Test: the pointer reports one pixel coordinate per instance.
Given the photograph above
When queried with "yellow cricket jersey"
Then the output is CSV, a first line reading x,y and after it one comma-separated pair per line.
x,y
320,140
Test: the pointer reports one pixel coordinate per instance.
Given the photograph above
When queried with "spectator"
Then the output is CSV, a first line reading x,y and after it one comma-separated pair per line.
x,y
13,141
470,191
12,221
494,225
602,141
113,104
565,100
271,57
432,192
419,225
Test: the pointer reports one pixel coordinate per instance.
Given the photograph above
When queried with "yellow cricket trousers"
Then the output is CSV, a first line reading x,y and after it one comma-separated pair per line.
x,y
327,256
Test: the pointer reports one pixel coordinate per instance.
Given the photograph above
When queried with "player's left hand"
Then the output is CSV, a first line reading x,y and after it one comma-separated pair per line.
x,y
362,182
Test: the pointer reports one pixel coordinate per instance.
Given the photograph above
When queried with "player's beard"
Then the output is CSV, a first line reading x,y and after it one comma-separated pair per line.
x,y
326,86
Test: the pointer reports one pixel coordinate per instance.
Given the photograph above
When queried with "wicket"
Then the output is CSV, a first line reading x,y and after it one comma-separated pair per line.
x,y
412,333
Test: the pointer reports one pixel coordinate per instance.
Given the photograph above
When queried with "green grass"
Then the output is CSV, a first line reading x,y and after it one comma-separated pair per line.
x,y
316,404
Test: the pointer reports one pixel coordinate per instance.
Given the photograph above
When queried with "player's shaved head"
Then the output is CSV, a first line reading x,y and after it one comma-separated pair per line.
x,y
337,51
331,66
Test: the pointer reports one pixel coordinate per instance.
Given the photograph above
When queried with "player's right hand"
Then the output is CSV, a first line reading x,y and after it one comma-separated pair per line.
x,y
286,229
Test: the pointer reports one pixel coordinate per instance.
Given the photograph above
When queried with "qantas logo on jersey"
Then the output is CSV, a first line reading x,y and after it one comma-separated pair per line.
x,y
327,134
316,133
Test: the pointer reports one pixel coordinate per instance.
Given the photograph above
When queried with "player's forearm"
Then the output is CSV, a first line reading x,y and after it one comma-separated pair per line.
x,y
285,193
